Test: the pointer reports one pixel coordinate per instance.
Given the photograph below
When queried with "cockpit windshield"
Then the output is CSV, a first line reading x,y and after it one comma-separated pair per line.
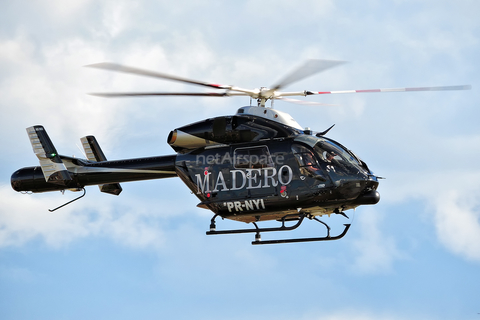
x,y
329,148
332,158
338,162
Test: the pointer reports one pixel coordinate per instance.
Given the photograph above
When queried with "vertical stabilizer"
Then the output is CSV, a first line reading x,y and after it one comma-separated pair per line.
x,y
53,168
94,153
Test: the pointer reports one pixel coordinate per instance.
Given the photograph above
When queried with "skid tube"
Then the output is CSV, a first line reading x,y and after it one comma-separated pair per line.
x,y
63,205
289,217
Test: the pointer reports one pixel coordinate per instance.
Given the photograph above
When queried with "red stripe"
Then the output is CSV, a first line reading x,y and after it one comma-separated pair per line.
x,y
324,92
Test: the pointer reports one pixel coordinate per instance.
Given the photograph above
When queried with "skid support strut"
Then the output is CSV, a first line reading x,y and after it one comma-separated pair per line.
x,y
289,217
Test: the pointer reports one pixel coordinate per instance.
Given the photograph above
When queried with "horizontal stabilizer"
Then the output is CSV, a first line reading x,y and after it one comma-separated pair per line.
x,y
94,153
53,168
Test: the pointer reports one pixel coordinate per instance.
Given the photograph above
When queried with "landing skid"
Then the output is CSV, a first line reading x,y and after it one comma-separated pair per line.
x,y
257,230
63,205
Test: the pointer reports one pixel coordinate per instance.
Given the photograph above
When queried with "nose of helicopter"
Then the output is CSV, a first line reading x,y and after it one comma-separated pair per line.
x,y
369,197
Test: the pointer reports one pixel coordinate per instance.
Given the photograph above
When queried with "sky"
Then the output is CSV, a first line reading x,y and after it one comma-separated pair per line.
x,y
145,255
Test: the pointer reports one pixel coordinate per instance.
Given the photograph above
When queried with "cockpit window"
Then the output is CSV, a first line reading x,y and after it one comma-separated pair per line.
x,y
333,151
307,162
337,160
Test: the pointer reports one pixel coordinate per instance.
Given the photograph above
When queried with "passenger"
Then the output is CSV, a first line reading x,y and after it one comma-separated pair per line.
x,y
312,167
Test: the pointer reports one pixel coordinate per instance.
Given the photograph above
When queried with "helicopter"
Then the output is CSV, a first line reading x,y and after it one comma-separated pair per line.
x,y
254,166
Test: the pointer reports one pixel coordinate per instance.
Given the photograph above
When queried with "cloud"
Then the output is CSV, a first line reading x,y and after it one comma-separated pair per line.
x,y
117,17
452,200
24,218
43,82
457,221
375,252
63,11
21,221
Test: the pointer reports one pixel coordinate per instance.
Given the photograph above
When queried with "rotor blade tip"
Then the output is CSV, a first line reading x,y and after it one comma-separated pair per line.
x,y
92,65
102,65
96,94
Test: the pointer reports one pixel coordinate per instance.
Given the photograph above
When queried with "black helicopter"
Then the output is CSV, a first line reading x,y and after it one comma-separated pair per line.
x,y
254,166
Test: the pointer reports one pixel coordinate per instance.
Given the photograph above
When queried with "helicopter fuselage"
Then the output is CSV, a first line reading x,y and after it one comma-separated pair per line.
x,y
268,179
244,167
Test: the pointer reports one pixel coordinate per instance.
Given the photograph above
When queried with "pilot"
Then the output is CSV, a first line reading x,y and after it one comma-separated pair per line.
x,y
330,159
330,156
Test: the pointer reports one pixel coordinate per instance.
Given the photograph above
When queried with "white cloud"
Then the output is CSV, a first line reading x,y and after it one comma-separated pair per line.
x,y
46,84
43,47
457,221
48,87
289,10
24,218
452,197
64,10
375,251
117,16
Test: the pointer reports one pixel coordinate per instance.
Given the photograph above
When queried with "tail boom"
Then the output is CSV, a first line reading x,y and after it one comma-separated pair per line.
x,y
58,172
86,173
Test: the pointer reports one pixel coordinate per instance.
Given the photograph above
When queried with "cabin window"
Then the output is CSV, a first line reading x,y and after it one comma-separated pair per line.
x,y
253,158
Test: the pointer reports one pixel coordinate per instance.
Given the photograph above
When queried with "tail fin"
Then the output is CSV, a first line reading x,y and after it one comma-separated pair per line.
x,y
95,153
53,168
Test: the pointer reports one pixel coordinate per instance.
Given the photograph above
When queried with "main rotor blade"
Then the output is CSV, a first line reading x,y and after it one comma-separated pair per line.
x,y
306,70
121,68
442,88
150,94
306,103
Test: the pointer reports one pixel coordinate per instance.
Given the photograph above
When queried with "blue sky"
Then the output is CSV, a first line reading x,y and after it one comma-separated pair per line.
x,y
145,255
